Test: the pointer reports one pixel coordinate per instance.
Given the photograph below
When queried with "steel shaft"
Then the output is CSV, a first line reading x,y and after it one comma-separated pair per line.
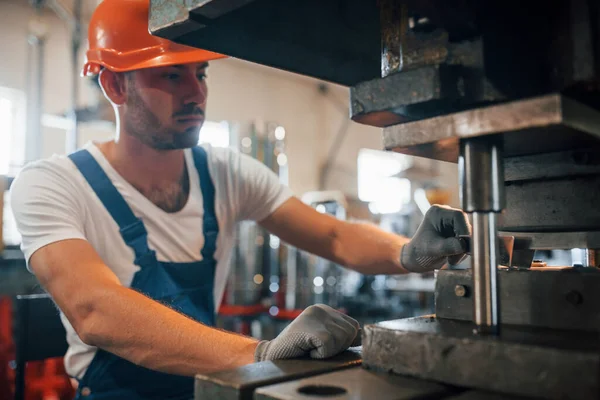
x,y
482,195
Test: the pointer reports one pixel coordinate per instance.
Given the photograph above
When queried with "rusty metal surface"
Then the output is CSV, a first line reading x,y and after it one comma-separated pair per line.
x,y
383,102
172,18
557,205
426,87
533,126
566,300
354,384
520,361
394,24
240,383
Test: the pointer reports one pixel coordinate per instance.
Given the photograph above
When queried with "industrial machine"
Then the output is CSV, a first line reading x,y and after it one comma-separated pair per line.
x,y
510,90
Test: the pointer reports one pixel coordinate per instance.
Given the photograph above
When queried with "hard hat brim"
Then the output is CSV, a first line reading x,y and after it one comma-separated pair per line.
x,y
92,68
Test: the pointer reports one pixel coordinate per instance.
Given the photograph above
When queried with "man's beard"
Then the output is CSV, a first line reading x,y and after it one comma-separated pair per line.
x,y
146,127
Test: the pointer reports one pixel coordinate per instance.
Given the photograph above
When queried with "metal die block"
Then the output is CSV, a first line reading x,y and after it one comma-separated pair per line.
x,y
519,361
564,299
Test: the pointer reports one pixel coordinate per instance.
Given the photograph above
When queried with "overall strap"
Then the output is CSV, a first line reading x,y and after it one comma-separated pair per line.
x,y
132,228
210,225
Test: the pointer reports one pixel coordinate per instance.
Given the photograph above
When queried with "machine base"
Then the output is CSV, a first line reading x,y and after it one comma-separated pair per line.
x,y
520,361
240,383
358,383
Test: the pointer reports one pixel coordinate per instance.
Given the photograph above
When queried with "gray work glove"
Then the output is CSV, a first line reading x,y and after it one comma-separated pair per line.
x,y
320,331
435,243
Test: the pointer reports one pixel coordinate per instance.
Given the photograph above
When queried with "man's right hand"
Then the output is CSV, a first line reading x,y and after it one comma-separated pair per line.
x,y
319,332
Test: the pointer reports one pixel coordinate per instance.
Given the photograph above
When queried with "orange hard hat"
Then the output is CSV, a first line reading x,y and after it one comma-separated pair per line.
x,y
119,40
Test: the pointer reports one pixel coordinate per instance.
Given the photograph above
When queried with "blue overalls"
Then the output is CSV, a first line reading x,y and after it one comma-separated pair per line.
x,y
186,287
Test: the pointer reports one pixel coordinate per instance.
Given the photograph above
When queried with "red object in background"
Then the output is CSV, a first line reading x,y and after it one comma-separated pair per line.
x,y
7,349
44,380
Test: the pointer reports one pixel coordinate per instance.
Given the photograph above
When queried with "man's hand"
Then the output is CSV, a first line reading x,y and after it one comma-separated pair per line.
x,y
435,243
320,331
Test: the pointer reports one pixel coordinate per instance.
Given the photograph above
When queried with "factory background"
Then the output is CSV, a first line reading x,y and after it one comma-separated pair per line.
x,y
297,125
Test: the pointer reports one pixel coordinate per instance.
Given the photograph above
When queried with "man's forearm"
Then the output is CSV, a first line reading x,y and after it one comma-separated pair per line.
x,y
136,328
368,249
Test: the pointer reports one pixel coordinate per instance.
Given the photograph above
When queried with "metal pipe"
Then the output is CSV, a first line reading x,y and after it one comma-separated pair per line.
x,y
482,195
591,258
485,261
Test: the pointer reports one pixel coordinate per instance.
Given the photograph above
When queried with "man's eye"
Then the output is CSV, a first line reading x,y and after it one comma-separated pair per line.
x,y
172,76
202,77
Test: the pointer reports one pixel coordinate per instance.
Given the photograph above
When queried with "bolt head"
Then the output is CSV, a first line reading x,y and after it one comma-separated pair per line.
x,y
460,291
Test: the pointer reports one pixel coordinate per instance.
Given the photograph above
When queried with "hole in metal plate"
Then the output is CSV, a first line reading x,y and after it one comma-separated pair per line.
x,y
322,390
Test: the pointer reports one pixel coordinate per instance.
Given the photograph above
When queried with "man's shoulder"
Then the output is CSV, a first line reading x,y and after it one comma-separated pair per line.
x,y
56,165
56,172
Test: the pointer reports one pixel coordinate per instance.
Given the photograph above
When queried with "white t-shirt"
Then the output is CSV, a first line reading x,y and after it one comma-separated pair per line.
x,y
52,201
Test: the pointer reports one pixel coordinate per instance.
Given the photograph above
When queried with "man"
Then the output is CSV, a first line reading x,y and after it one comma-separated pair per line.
x,y
132,237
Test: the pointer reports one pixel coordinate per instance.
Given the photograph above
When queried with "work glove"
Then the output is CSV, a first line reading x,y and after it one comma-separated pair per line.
x,y
320,332
436,243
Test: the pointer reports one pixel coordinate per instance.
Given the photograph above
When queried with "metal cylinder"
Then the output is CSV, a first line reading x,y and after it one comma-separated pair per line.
x,y
482,194
482,175
591,258
484,253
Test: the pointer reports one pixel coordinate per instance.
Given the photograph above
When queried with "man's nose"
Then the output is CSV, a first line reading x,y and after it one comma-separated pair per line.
x,y
195,92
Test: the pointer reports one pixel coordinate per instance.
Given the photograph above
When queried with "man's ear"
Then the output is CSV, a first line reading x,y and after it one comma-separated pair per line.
x,y
114,86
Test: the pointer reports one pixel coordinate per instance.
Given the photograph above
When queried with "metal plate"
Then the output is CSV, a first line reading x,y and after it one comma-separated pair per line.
x,y
561,164
521,361
353,384
560,240
335,40
240,383
533,126
550,299
481,395
398,98
558,205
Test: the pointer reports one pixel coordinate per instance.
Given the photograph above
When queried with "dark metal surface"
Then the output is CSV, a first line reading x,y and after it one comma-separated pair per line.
x,y
513,251
533,298
336,40
506,245
394,24
354,384
533,126
240,383
522,361
557,205
481,174
549,46
559,240
384,102
553,165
